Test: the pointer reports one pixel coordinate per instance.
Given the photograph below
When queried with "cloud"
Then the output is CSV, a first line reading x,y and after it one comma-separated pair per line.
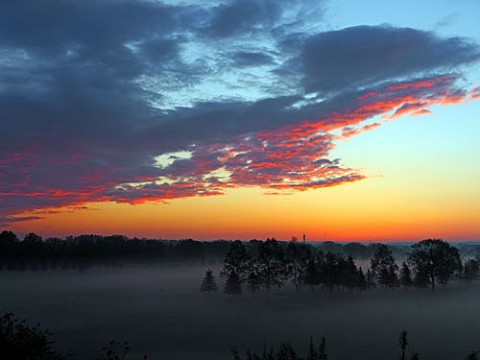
x,y
92,95
365,55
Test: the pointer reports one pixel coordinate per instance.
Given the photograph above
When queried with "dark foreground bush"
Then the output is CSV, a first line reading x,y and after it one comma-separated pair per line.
x,y
19,341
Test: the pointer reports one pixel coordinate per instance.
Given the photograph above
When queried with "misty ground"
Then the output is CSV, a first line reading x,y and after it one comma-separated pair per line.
x,y
161,312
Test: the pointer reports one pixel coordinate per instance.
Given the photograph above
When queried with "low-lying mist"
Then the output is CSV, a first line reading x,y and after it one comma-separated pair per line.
x,y
161,312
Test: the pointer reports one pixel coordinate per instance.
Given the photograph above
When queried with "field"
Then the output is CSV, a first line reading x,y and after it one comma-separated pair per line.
x,y
161,312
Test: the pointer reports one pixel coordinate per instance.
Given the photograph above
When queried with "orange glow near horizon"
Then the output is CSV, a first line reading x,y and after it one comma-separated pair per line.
x,y
345,213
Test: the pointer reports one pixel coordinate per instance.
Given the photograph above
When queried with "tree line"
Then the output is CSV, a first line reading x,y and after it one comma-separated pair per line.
x,y
80,252
263,265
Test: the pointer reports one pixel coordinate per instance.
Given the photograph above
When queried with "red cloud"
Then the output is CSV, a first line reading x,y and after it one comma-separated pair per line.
x,y
294,157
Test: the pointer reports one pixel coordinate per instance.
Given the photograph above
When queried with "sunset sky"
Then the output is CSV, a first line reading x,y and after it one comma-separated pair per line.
x,y
204,119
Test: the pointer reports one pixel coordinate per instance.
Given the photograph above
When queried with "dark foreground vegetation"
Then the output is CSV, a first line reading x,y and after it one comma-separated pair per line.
x,y
20,341
286,352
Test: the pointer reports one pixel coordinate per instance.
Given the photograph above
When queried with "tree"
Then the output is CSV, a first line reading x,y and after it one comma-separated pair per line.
x,y
472,356
362,280
384,267
20,341
403,342
297,257
32,238
208,283
233,285
405,276
312,352
370,280
311,277
271,265
322,351
8,239
115,351
237,261
253,283
286,352
471,270
436,259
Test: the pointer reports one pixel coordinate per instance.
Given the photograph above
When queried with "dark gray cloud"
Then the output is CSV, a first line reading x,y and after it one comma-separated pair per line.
x,y
243,16
364,55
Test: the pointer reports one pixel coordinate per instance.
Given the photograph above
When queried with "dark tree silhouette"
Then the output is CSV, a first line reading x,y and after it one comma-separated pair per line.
x,y
329,271
286,352
232,284
370,280
362,280
322,352
297,257
271,265
32,238
312,352
253,283
471,270
403,342
472,356
436,259
20,341
208,284
114,351
237,260
420,279
350,274
405,276
312,277
8,239
384,267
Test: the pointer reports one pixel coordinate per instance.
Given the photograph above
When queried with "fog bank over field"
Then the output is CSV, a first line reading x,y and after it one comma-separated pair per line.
x,y
161,312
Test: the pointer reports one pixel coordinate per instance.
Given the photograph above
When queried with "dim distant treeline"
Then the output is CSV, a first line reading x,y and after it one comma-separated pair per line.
x,y
32,252
80,252
261,265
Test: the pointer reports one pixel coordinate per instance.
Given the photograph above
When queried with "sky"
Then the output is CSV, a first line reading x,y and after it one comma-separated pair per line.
x,y
343,120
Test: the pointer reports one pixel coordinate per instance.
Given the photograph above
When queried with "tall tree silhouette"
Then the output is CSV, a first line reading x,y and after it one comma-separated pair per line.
x,y
232,284
208,284
311,277
471,270
271,265
384,267
237,260
403,342
405,276
435,258
297,257
322,351
253,283
370,280
362,280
